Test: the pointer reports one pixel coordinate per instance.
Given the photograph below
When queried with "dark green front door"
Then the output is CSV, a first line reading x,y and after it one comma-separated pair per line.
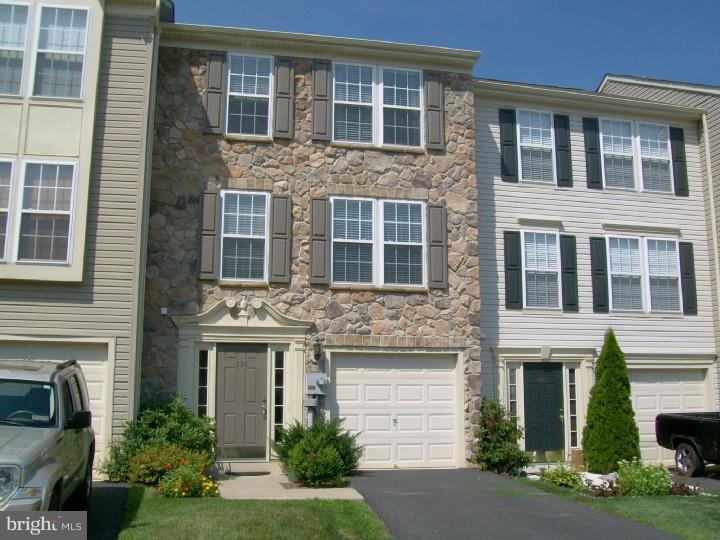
x,y
543,408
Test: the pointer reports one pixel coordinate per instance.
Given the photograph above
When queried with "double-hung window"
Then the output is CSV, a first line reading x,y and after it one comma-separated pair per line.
x,y
625,274
13,35
354,97
663,275
541,269
61,46
655,157
402,107
617,149
6,174
403,240
536,146
45,221
249,91
353,231
243,243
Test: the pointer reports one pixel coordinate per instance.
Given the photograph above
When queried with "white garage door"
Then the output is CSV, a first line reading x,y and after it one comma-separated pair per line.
x,y
403,406
93,359
656,391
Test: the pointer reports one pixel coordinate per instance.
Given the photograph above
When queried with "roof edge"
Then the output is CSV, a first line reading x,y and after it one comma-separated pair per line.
x,y
659,83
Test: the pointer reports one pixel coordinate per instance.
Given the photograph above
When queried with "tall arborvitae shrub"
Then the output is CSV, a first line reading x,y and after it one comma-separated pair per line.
x,y
610,433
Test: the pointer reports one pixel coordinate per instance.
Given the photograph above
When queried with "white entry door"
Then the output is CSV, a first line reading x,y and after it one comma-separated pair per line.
x,y
404,407
656,391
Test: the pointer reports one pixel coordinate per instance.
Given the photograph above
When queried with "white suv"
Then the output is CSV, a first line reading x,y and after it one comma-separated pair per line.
x,y
46,440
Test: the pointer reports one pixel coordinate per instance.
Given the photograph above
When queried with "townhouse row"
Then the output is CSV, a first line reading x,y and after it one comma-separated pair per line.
x,y
226,213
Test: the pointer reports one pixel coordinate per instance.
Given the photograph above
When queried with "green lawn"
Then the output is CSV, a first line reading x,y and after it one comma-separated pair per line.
x,y
151,516
695,518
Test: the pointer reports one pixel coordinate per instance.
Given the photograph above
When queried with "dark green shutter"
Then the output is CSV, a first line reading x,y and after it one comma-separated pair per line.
x,y
322,100
434,111
283,112
437,247
568,265
679,164
598,269
208,236
280,239
687,279
320,239
593,165
508,146
562,150
513,271
214,99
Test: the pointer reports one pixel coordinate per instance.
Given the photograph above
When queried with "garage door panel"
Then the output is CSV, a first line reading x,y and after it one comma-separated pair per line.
x,y
374,392
410,393
348,393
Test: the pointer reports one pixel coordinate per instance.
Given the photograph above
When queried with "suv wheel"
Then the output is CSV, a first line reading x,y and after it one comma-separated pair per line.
x,y
687,460
84,490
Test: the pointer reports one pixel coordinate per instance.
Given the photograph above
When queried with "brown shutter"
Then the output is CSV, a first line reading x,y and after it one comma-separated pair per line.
x,y
280,239
322,100
679,164
508,146
593,160
208,236
283,113
320,228
513,270
437,247
434,111
563,160
215,84
687,279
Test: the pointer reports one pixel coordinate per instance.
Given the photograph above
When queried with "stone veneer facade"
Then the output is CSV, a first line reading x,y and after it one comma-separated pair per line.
x,y
188,162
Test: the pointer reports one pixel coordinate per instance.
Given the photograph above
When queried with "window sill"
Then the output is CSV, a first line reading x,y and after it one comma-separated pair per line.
x,y
375,288
647,314
75,102
542,311
244,284
366,146
247,138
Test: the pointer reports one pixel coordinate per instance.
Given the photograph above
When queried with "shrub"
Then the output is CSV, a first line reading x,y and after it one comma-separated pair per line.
x,y
564,477
610,433
635,479
168,423
151,464
498,436
187,481
316,467
286,440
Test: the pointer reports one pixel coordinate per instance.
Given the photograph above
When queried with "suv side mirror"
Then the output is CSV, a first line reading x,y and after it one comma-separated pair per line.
x,y
79,420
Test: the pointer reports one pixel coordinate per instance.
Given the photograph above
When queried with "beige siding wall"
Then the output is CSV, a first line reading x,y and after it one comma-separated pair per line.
x,y
104,304
582,212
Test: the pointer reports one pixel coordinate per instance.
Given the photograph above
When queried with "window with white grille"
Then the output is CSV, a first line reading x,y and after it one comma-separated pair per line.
x,y
536,146
625,274
402,107
249,87
244,244
353,98
617,150
403,243
60,52
663,275
541,269
6,173
655,157
353,235
13,36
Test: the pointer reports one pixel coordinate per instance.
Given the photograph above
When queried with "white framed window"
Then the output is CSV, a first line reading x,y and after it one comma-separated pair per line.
x,y
249,107
625,274
6,180
279,393
60,52
513,371
403,243
353,235
402,107
655,168
46,212
13,43
663,275
537,145
541,269
203,385
243,244
353,100
617,153
573,405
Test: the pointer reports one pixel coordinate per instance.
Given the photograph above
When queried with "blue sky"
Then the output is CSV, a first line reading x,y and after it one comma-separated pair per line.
x,y
556,42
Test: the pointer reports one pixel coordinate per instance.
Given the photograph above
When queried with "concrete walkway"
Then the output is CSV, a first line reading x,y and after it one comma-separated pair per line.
x,y
266,481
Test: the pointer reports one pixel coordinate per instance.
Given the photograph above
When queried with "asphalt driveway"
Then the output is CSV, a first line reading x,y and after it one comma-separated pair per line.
x,y
466,503
107,507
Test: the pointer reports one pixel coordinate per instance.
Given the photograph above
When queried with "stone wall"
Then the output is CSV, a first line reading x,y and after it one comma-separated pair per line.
x,y
187,162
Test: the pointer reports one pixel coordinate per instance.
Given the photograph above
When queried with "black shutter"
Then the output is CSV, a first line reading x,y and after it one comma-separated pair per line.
x,y
593,165
322,100
562,150
214,99
598,269
283,112
208,236
513,271
437,247
320,225
434,111
508,146
687,278
568,265
280,239
679,164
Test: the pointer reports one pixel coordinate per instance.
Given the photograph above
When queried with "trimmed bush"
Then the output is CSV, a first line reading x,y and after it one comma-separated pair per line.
x,y
611,434
316,467
635,479
564,477
168,423
187,481
151,464
498,436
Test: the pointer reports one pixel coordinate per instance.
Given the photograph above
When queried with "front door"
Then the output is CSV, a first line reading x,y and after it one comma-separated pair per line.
x,y
241,410
544,433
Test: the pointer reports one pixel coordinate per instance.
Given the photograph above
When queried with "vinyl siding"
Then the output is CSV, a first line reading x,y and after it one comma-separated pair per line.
x,y
105,303
582,212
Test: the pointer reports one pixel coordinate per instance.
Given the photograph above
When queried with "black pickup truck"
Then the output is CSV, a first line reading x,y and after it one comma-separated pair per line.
x,y
695,437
